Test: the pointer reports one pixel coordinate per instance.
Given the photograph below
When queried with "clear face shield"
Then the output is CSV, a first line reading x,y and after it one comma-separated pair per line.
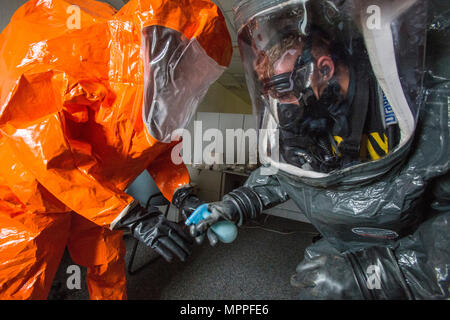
x,y
178,74
339,92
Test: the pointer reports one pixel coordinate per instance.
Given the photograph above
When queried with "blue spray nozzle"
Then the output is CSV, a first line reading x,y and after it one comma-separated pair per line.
x,y
198,215
226,231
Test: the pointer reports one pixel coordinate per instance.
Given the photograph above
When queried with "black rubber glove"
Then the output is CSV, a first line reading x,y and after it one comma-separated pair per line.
x,y
238,206
223,210
185,200
326,277
371,273
152,228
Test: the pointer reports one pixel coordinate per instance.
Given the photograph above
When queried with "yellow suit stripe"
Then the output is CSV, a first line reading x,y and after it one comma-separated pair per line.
x,y
376,146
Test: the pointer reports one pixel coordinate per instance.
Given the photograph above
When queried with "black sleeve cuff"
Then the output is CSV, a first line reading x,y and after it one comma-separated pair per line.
x,y
378,274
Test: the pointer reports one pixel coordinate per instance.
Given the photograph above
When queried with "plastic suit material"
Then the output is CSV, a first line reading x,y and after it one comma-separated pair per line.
x,y
394,229
412,201
385,225
72,133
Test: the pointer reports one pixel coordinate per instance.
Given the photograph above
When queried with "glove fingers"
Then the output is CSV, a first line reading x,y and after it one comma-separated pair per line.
x,y
204,225
199,240
308,265
180,242
163,251
193,231
180,231
212,237
299,281
169,244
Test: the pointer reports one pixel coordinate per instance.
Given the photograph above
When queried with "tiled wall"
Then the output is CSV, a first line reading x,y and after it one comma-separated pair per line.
x,y
222,121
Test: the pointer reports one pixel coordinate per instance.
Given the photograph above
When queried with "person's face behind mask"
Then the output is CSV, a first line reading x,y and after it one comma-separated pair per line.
x,y
301,91
178,74
358,95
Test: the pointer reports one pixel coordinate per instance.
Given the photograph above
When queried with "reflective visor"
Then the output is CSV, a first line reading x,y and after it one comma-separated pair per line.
x,y
178,73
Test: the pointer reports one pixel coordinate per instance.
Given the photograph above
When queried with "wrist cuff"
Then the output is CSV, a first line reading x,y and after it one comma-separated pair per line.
x,y
247,202
378,275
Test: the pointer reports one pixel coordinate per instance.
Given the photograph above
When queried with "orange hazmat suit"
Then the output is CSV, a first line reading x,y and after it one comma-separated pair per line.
x,y
72,133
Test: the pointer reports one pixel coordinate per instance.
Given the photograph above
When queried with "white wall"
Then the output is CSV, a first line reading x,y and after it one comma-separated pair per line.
x,y
222,122
220,99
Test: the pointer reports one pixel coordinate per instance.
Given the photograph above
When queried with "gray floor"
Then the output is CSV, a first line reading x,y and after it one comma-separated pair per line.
x,y
258,265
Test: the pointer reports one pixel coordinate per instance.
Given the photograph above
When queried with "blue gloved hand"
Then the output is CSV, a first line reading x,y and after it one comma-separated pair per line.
x,y
224,231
